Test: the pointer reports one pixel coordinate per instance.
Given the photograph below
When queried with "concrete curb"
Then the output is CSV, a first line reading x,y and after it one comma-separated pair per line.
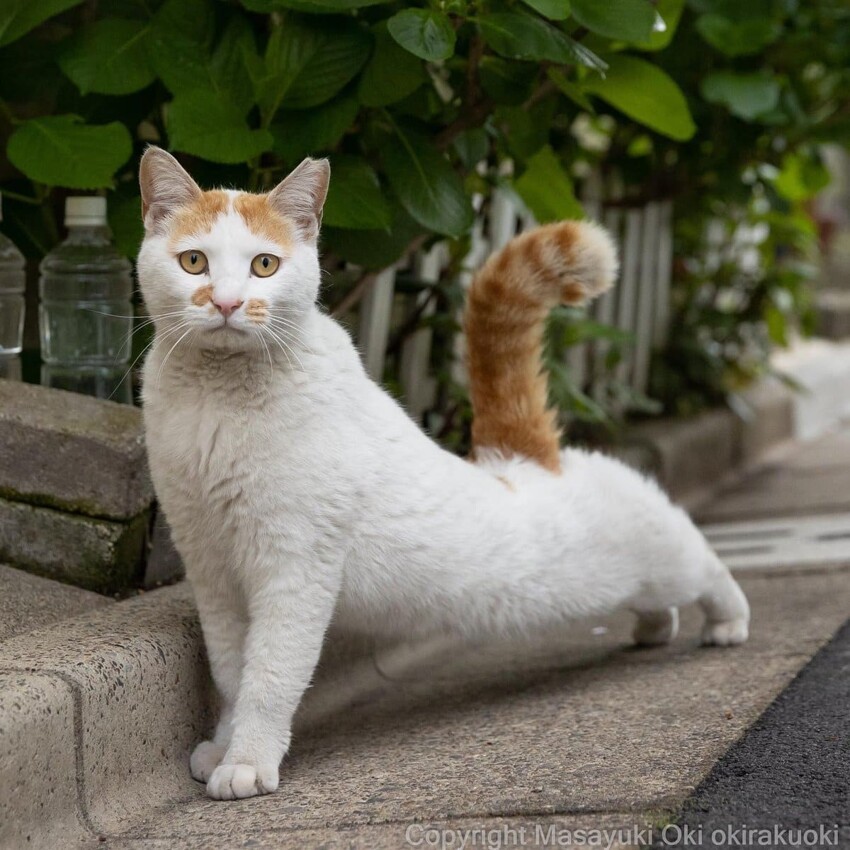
x,y
690,457
94,742
90,706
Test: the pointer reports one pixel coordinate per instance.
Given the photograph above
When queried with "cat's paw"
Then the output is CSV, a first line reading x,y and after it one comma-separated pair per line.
x,y
237,781
725,633
206,757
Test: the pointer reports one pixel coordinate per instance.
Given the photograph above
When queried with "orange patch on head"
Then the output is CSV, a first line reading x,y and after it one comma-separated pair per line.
x,y
202,295
256,309
263,219
199,216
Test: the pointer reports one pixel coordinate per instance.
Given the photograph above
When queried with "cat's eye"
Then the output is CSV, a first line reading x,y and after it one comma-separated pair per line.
x,y
265,265
193,262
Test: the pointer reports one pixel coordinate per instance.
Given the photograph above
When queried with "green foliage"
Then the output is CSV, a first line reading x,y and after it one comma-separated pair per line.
x,y
424,33
547,189
60,150
644,92
420,106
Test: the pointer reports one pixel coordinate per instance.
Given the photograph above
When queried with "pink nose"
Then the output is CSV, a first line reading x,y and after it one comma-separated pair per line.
x,y
226,306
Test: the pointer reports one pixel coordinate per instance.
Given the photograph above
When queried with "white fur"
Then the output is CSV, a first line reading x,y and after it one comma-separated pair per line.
x,y
298,491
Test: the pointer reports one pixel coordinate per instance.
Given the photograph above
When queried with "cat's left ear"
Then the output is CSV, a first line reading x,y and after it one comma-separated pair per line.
x,y
301,196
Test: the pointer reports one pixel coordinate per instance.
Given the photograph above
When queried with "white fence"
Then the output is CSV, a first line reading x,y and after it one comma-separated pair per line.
x,y
639,304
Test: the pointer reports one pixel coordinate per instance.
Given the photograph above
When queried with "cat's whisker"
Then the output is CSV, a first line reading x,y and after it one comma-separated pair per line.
x,y
278,342
285,347
144,351
294,336
171,351
268,353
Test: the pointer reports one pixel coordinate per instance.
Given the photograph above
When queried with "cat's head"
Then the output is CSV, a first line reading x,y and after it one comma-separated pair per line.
x,y
234,269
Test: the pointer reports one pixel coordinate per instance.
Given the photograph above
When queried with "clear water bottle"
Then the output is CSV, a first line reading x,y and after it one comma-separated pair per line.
x,y
12,284
85,314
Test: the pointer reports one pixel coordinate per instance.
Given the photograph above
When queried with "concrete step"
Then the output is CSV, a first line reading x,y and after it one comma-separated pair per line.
x,y
29,602
99,713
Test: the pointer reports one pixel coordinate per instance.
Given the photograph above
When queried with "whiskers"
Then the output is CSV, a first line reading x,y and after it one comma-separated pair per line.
x,y
286,334
192,327
147,322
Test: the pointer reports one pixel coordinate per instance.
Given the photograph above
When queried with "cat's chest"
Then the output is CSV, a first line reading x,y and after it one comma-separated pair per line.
x,y
207,447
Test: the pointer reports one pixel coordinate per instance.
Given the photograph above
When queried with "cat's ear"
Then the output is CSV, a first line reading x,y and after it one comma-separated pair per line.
x,y
301,196
165,186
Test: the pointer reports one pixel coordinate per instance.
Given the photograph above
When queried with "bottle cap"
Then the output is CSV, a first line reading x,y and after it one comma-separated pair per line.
x,y
85,211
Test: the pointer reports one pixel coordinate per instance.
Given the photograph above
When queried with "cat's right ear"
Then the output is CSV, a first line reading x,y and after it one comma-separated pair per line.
x,y
165,186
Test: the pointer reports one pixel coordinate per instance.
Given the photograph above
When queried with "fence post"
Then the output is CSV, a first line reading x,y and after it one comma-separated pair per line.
x,y
417,384
375,314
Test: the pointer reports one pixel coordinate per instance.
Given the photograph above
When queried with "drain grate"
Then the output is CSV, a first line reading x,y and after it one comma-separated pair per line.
x,y
782,542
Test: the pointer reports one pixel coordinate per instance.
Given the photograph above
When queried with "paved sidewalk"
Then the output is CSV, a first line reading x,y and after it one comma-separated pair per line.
x,y
575,731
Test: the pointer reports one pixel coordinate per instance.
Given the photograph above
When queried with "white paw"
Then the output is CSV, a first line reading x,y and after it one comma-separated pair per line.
x,y
657,628
206,757
237,781
727,633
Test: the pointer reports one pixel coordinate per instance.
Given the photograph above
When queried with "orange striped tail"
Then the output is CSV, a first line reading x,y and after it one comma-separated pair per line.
x,y
506,310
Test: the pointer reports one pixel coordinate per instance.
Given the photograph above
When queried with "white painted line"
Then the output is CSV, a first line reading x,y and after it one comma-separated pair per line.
x,y
782,541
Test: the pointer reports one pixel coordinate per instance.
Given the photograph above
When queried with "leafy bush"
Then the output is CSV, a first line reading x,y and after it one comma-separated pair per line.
x,y
423,108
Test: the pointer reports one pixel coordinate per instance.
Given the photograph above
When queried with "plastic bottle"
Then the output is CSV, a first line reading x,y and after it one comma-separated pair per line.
x,y
85,314
12,285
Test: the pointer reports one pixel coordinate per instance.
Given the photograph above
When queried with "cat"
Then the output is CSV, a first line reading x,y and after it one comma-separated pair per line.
x,y
298,491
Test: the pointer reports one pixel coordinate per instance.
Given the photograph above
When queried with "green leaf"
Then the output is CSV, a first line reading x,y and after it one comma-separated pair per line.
x,y
426,184
669,12
547,189
306,64
744,95
517,35
109,56
645,93
125,222
180,43
60,150
315,6
627,20
555,10
738,38
290,46
506,82
355,200
391,74
203,124
301,134
373,249
570,89
228,67
526,130
424,33
341,53
472,146
18,17
801,177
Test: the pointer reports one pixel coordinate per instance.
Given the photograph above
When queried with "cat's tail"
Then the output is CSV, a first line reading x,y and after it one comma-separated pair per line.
x,y
564,263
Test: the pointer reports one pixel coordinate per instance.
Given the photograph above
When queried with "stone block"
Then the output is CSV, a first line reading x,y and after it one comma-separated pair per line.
x,y
163,565
72,452
96,554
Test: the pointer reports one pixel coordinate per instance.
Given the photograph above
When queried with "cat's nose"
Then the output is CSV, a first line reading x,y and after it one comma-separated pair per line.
x,y
226,306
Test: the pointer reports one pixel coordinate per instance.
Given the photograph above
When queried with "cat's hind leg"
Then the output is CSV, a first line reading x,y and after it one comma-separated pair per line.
x,y
727,612
656,628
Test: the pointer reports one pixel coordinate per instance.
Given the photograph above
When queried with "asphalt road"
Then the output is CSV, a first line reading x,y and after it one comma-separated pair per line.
x,y
790,771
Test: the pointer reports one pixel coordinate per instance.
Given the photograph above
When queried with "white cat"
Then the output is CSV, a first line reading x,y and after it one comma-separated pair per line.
x,y
298,491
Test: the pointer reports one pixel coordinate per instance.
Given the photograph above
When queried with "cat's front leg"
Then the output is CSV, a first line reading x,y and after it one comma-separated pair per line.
x,y
287,623
224,622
